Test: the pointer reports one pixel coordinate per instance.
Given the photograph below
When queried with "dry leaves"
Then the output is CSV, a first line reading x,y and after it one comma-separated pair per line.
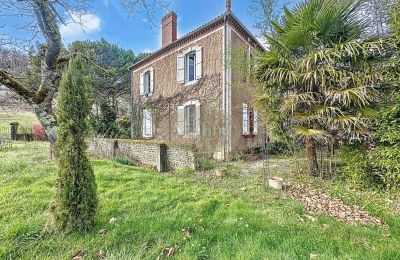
x,y
102,232
186,232
112,221
78,255
315,201
101,254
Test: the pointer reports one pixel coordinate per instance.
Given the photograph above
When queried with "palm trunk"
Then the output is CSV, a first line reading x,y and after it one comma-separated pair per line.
x,y
312,162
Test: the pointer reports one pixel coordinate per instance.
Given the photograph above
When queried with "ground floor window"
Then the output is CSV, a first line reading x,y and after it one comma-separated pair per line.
x,y
188,122
249,119
147,123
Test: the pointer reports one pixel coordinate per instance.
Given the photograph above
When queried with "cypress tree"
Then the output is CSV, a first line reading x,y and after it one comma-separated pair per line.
x,y
74,202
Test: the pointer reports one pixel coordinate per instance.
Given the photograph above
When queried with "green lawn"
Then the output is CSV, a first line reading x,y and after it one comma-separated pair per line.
x,y
225,222
25,119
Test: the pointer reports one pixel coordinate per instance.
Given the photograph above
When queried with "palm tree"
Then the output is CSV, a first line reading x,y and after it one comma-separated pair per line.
x,y
317,80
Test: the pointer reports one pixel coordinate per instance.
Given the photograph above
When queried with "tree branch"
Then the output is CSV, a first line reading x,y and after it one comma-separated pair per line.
x,y
11,83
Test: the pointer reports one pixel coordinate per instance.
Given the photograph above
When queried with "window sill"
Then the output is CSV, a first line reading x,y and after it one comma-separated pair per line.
x,y
191,83
189,136
249,136
147,137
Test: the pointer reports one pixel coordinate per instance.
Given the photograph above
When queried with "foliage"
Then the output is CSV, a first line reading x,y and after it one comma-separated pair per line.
x,y
39,132
105,124
127,162
124,127
383,162
74,203
316,80
205,164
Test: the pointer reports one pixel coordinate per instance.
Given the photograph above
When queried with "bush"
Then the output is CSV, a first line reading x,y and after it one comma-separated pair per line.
x,y
127,162
39,132
355,168
205,164
379,167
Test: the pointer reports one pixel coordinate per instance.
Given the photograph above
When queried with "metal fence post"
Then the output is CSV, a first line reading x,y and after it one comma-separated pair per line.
x,y
14,131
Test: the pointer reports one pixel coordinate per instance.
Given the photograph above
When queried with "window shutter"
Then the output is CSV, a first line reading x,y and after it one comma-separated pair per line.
x,y
151,81
147,123
198,126
180,120
141,84
180,76
199,62
245,119
255,121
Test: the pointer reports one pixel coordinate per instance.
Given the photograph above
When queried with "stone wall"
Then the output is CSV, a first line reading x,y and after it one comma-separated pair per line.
x,y
155,154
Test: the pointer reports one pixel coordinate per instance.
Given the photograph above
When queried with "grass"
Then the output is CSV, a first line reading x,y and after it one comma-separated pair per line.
x,y
225,222
25,120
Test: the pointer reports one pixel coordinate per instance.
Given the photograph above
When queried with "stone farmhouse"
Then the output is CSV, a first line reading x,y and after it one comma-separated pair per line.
x,y
188,91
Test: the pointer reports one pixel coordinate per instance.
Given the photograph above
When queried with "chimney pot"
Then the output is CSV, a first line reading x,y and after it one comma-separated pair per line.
x,y
169,28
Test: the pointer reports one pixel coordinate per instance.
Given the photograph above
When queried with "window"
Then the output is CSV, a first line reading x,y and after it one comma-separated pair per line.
x,y
250,120
147,82
188,118
147,123
190,67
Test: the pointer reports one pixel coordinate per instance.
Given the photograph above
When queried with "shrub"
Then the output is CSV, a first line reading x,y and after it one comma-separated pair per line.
x,y
39,132
355,168
127,162
205,164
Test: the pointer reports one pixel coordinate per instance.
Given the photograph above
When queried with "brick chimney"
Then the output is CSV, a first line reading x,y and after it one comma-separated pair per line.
x,y
228,5
169,32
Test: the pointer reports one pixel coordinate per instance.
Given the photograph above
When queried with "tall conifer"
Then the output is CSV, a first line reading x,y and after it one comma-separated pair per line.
x,y
74,203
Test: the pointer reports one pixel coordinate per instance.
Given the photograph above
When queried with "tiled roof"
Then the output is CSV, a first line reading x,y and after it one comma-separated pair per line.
x,y
214,22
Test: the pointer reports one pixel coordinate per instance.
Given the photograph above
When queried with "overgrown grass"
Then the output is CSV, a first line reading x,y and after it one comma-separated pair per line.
x,y
225,221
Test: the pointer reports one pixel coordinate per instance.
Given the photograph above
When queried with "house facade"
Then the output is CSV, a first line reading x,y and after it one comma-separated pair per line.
x,y
189,92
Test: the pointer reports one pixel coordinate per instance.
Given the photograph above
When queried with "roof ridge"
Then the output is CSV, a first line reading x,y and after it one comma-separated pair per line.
x,y
209,23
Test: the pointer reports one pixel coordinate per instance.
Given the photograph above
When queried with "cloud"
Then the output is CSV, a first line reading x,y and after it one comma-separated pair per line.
x,y
80,26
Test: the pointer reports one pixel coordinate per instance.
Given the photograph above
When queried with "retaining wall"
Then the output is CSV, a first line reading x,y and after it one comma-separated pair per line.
x,y
156,154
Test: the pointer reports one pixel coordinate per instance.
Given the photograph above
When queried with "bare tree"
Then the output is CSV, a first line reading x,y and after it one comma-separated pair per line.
x,y
44,17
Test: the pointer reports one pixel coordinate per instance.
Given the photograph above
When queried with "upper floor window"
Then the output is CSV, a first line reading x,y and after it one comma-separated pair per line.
x,y
189,65
147,82
250,120
188,116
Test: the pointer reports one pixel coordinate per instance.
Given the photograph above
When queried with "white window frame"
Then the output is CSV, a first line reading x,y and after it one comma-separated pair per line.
x,y
150,87
197,126
187,56
249,115
183,65
147,123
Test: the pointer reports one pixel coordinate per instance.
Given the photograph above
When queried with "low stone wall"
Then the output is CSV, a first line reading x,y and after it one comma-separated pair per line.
x,y
156,154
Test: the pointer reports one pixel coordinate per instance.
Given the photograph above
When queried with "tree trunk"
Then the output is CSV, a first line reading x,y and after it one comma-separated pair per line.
x,y
312,162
